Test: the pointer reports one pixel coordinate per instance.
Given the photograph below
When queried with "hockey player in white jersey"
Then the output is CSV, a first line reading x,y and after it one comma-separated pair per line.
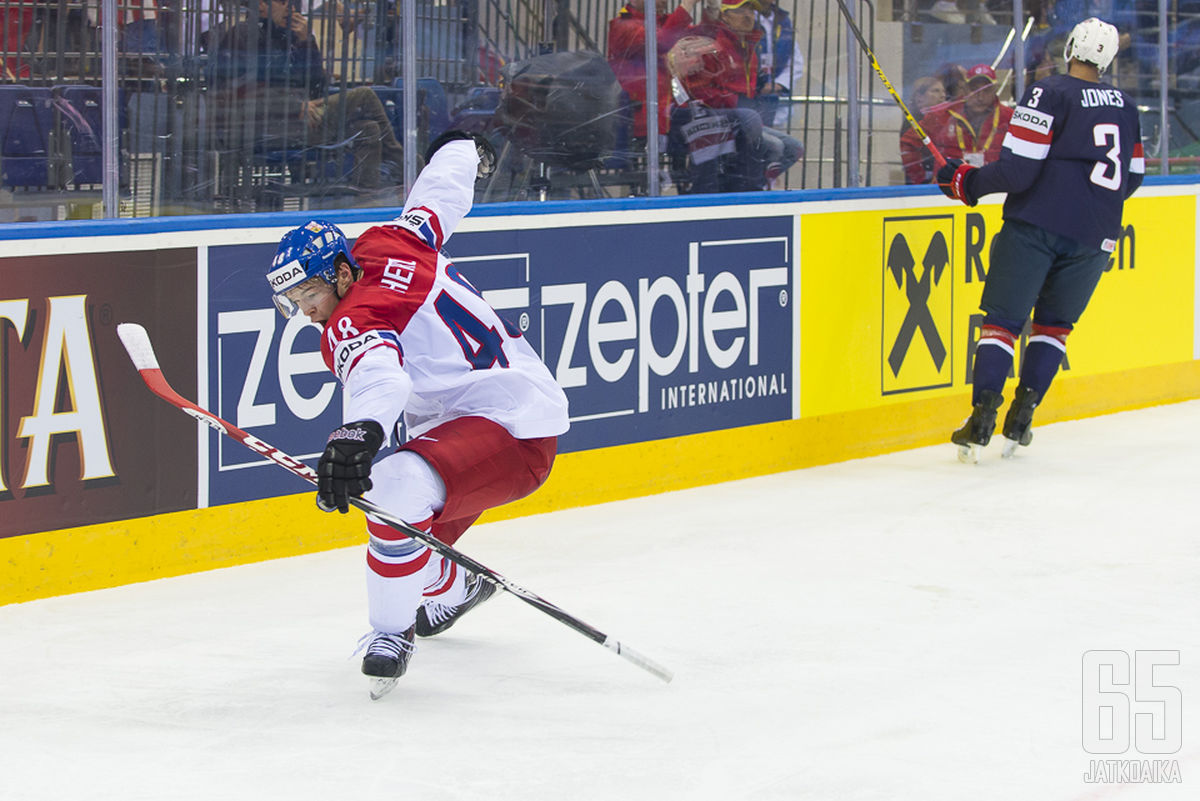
x,y
405,333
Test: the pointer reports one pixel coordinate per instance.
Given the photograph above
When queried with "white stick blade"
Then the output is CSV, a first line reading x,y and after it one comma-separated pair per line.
x,y
641,660
137,343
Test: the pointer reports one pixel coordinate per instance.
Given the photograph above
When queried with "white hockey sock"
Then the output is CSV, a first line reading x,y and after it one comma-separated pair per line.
x,y
398,568
396,576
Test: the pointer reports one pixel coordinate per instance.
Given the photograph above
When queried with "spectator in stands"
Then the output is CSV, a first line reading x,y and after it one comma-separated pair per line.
x,y
958,12
713,148
780,60
339,28
954,78
928,94
973,128
140,27
736,84
18,26
270,67
978,129
627,55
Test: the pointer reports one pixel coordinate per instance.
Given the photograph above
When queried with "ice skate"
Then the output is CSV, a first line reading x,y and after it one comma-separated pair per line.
x,y
434,618
976,431
386,659
1019,420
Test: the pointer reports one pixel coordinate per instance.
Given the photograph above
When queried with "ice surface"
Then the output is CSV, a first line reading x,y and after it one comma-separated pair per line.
x,y
902,627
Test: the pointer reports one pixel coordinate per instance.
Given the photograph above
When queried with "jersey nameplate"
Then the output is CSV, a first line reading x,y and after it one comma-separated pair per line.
x,y
398,274
1091,98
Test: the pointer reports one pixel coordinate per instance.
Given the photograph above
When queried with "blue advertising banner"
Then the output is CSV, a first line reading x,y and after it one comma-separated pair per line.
x,y
653,330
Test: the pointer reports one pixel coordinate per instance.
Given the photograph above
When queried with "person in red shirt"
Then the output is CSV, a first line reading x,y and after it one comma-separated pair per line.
x,y
735,40
734,83
18,23
627,54
972,130
928,92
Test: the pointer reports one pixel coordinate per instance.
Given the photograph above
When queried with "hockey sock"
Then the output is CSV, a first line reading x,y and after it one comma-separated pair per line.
x,y
1043,355
993,360
398,569
449,585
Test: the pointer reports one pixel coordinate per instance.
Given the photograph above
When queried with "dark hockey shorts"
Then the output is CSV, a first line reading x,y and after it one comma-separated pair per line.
x,y
1033,269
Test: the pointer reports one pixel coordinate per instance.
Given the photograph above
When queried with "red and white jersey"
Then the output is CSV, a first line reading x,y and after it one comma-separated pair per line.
x,y
413,336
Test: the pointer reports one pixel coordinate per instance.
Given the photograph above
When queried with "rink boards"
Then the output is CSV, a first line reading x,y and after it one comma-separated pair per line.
x,y
698,341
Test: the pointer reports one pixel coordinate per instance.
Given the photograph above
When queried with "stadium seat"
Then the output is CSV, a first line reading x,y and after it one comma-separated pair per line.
x,y
393,99
477,112
432,107
26,119
78,114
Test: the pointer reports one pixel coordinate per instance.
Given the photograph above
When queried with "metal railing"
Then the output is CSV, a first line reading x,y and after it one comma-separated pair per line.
x,y
216,110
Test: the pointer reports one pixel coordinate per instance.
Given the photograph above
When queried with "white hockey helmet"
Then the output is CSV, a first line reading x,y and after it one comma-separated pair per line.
x,y
1092,41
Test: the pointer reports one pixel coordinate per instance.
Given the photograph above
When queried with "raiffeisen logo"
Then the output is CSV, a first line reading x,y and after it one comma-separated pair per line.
x,y
918,303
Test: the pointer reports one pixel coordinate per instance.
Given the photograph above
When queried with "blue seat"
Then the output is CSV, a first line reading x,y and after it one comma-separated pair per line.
x,y
78,109
432,106
314,165
477,112
392,98
26,119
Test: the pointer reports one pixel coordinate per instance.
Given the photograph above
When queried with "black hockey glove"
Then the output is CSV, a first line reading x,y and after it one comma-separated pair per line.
x,y
345,467
953,178
487,154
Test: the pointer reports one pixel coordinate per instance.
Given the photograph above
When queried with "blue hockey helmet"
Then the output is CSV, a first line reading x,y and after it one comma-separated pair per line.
x,y
308,252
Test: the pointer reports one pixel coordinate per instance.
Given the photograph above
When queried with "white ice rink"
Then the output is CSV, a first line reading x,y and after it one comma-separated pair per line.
x,y
902,627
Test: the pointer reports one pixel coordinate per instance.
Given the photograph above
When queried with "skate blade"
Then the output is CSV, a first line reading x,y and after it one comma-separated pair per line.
x,y
1010,448
969,454
381,687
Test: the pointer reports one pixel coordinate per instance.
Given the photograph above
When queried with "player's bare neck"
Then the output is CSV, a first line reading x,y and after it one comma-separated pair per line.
x,y
1085,72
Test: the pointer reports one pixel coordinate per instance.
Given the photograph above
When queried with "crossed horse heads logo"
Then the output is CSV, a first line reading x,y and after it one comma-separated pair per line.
x,y
902,266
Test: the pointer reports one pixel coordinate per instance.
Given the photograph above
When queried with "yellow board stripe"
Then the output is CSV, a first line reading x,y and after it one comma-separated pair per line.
x,y
106,555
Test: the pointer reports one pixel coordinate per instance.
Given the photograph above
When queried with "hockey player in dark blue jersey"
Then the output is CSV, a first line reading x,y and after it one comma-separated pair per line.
x,y
1072,154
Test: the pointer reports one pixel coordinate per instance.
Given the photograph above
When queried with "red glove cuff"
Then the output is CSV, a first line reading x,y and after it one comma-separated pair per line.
x,y
957,182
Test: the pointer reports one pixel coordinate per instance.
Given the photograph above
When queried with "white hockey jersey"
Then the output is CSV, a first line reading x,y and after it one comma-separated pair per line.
x,y
413,336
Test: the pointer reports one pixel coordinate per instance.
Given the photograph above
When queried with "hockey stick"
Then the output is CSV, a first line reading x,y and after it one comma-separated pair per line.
x,y
137,343
937,154
1009,39
1009,74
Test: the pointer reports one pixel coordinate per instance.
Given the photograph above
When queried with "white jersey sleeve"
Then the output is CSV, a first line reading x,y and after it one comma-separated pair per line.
x,y
442,194
377,388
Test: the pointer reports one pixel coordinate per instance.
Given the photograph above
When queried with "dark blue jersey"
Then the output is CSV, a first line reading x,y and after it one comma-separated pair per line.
x,y
1072,154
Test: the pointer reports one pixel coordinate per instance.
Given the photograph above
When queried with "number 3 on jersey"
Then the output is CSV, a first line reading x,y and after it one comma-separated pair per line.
x,y
1107,135
470,331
